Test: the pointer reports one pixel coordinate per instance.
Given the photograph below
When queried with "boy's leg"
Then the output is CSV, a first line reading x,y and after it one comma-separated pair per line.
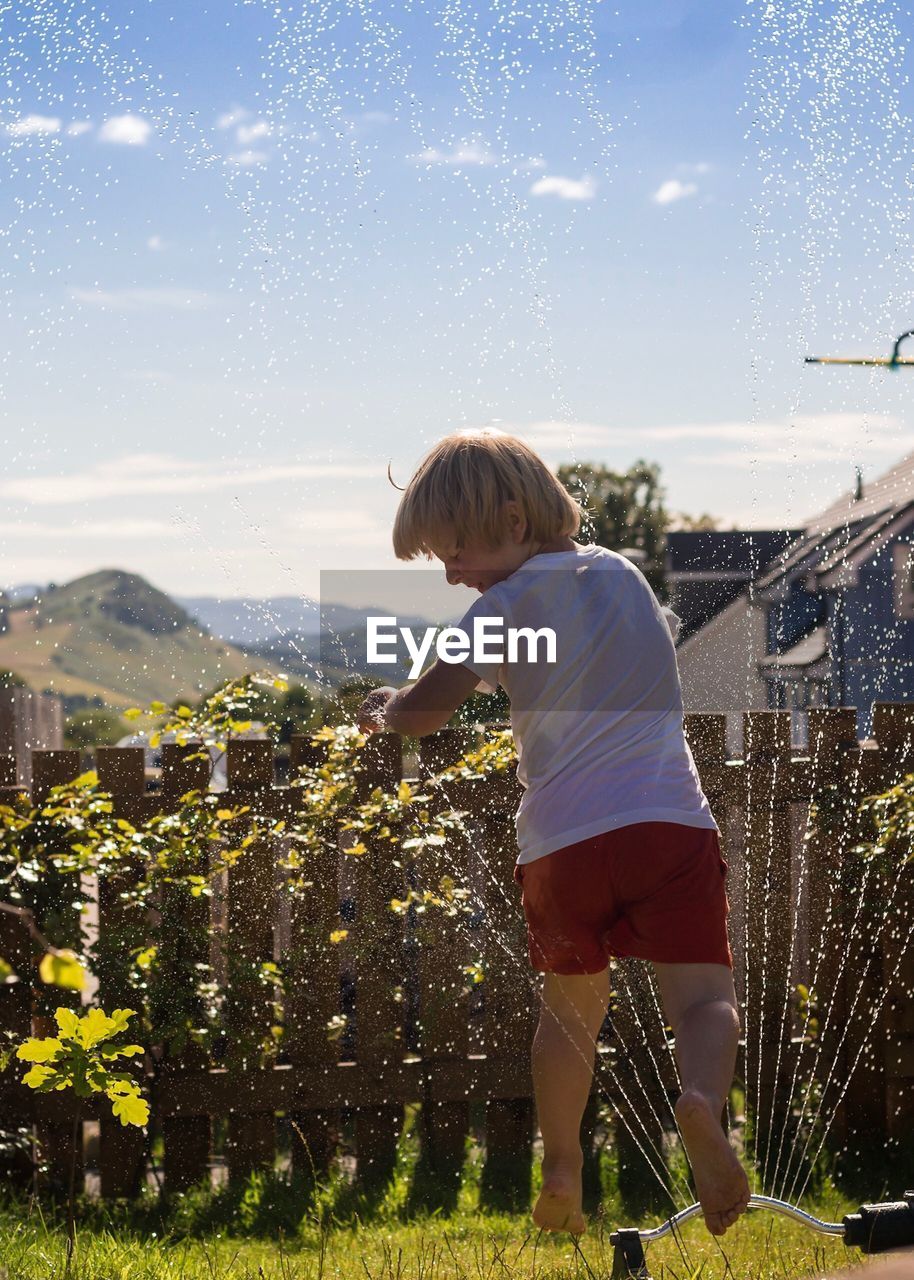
x,y
701,1007
571,1014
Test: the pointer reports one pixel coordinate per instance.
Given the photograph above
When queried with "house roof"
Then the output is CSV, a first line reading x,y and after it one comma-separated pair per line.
x,y
846,533
742,552
804,653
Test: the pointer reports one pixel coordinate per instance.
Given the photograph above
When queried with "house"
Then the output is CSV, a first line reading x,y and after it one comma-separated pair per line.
x,y
28,721
824,623
706,569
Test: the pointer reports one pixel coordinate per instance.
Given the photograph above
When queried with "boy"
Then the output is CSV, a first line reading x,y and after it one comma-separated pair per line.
x,y
619,852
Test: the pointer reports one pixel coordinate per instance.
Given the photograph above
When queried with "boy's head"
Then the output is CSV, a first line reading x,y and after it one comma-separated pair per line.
x,y
482,502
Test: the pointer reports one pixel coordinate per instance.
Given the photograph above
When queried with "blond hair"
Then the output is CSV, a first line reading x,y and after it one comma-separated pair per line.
x,y
459,489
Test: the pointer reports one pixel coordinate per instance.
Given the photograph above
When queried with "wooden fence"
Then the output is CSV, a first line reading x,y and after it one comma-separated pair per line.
x,y
802,912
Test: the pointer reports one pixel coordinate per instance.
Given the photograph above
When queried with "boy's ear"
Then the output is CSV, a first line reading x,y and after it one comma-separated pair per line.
x,y
517,520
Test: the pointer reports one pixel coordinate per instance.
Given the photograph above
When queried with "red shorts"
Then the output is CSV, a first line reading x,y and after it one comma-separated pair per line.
x,y
655,890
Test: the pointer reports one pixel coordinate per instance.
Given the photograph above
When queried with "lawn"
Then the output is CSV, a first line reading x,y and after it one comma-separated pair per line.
x,y
272,1229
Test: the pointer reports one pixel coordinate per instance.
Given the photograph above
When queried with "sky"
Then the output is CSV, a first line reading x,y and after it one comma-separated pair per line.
x,y
252,253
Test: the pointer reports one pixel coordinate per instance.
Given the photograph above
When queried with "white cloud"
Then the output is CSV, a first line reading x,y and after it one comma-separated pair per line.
x,y
788,441
532,162
248,133
247,159
91,529
77,128
27,125
702,167
127,130
156,473
565,188
672,190
155,243
142,299
229,119
466,153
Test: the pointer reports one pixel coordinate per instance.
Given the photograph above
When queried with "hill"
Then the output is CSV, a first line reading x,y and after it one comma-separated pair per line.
x,y
113,635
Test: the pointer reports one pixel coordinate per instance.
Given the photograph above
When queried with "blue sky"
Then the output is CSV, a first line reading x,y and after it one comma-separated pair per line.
x,y
253,251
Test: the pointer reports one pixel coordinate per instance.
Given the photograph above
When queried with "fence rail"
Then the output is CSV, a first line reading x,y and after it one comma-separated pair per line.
x,y
803,910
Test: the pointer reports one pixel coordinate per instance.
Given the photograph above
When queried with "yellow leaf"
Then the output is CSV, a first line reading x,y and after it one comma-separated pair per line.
x,y
183,712
338,935
130,1108
283,685
357,849
145,958
39,1050
223,814
67,1022
157,708
404,792
155,739
62,970
132,713
94,1027
6,969
37,1076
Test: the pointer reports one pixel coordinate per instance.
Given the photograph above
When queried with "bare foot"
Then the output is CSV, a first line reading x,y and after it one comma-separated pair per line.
x,y
720,1179
558,1206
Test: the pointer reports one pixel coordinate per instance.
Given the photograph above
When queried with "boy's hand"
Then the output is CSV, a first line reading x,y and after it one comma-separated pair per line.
x,y
370,715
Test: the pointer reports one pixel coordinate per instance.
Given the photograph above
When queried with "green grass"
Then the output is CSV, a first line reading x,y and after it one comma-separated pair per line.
x,y
467,1246
274,1228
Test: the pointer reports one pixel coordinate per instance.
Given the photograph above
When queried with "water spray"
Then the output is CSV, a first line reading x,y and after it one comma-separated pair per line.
x,y
894,361
874,1228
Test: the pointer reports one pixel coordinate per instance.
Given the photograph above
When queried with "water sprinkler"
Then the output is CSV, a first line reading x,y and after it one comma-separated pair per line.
x,y
874,1228
894,361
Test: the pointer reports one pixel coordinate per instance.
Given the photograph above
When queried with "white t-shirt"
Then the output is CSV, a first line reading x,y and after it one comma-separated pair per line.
x,y
599,732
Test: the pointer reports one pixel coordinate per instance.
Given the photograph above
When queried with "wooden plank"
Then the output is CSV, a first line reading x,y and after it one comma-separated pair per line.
x,y
835,755
16,947
60,922
251,1140
184,923
378,934
442,954
769,898
511,994
311,963
121,1148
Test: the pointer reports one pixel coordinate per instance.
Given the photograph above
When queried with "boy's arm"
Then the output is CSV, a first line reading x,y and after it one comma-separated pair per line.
x,y
427,705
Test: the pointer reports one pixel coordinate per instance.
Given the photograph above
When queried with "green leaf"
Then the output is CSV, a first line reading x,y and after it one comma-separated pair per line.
x,y
6,969
39,1050
62,970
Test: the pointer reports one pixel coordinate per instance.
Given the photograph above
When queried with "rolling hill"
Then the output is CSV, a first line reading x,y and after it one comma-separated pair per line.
x,y
112,635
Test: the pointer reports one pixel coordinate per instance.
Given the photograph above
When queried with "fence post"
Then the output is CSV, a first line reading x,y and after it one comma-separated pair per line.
x,y
251,1141
511,994
60,922
378,930
185,929
121,772
834,764
16,948
767,781
884,1108
442,954
312,995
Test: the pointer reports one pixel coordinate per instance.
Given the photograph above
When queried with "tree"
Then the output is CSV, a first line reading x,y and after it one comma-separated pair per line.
x,y
93,728
623,510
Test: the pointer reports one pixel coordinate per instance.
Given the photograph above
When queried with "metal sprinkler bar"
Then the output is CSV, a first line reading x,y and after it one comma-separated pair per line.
x,y
872,1229
893,361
